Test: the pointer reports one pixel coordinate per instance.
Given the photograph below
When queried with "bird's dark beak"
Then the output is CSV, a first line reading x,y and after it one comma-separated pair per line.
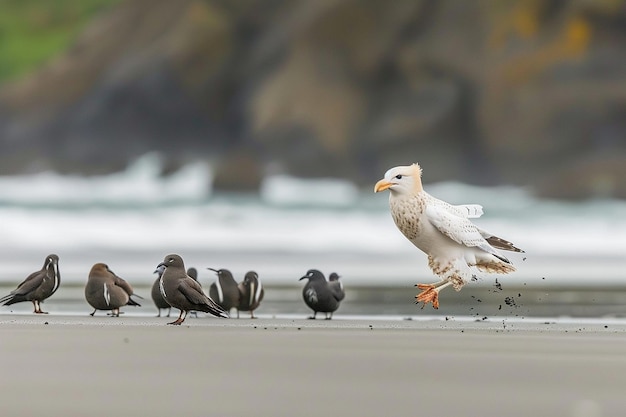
x,y
214,270
302,278
160,265
382,185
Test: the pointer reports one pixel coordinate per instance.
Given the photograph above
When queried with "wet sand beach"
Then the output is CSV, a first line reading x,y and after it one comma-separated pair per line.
x,y
76,365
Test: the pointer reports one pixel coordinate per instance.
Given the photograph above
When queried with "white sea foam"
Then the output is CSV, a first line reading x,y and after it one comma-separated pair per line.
x,y
141,183
284,190
132,219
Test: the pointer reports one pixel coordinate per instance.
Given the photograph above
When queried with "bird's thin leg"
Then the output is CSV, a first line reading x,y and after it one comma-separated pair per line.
x,y
433,285
430,293
38,308
252,314
237,313
115,312
180,318
169,311
159,315
92,313
313,316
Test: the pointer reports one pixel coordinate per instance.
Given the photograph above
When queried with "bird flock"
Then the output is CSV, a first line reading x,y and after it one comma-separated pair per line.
x,y
175,287
455,248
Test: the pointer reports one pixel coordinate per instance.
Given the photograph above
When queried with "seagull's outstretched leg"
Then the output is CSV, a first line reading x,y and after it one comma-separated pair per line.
x,y
430,293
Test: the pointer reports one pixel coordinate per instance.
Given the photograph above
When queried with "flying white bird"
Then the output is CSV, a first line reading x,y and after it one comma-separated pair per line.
x,y
443,232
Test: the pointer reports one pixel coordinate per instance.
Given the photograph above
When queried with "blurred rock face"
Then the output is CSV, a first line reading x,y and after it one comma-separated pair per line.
x,y
487,92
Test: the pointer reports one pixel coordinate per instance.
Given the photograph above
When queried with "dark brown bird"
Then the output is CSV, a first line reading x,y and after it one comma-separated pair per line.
x,y
107,291
182,292
155,293
37,286
251,293
224,291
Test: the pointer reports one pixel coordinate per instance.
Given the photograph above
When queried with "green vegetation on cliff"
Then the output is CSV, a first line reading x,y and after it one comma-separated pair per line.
x,y
33,31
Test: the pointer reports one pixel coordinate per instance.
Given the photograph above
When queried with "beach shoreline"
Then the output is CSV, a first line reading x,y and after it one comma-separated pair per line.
x,y
367,366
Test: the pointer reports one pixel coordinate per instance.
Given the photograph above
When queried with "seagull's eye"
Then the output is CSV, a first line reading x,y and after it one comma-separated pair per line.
x,y
399,176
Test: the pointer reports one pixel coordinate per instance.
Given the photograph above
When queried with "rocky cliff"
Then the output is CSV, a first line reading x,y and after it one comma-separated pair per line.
x,y
486,92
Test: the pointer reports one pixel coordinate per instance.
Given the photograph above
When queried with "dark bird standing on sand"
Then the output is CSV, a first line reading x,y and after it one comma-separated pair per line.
x,y
318,294
37,286
182,292
224,291
107,291
251,293
158,299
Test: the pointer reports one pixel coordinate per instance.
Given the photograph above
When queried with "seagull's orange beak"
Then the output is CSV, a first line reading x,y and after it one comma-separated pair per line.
x,y
382,185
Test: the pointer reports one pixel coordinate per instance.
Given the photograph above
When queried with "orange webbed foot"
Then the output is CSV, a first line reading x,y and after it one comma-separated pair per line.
x,y
429,294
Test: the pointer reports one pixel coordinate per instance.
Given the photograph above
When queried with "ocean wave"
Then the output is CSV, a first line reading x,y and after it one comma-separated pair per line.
x,y
291,226
142,183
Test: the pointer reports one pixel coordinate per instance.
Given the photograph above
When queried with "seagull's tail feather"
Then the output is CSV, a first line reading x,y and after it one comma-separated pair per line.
x,y
498,242
502,244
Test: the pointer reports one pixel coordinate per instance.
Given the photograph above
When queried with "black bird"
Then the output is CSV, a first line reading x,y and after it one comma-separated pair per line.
x,y
182,292
37,286
251,293
224,291
336,286
193,273
158,299
318,294
107,291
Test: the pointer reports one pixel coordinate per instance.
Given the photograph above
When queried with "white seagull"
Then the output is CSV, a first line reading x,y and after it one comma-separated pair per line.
x,y
443,232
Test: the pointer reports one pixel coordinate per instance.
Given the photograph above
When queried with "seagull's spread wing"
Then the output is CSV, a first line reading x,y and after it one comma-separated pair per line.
x,y
457,228
471,211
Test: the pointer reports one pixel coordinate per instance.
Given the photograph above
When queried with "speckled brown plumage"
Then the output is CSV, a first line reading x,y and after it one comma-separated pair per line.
x,y
443,231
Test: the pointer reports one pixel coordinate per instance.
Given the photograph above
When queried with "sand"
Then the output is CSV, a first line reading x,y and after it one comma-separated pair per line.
x,y
76,365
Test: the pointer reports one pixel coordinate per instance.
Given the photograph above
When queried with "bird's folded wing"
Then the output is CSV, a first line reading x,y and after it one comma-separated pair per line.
x,y
457,228
120,282
192,291
30,283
